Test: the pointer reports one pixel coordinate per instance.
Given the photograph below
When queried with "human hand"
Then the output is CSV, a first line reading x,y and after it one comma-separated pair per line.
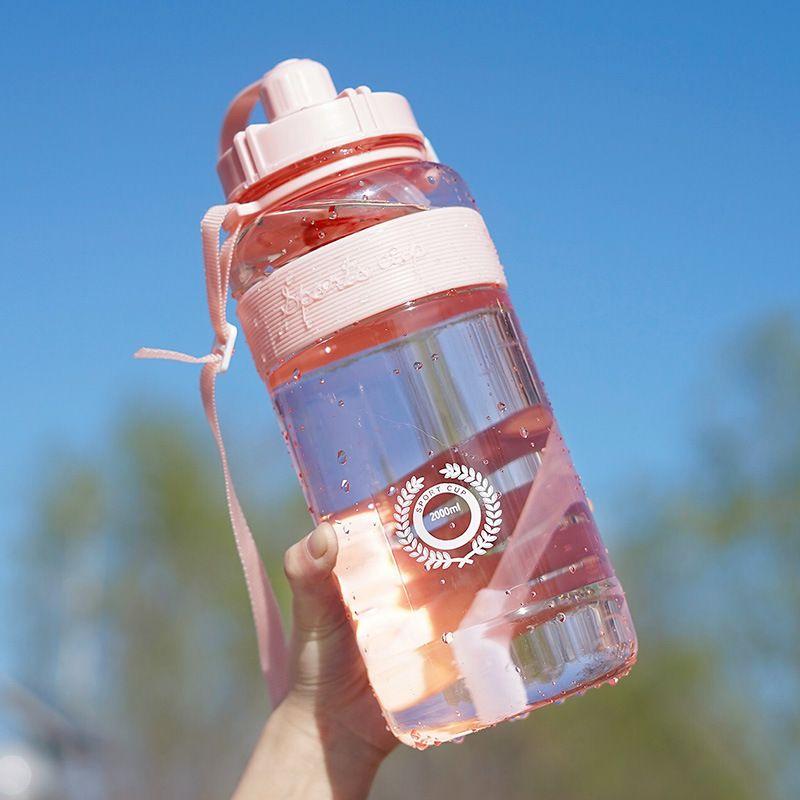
x,y
328,737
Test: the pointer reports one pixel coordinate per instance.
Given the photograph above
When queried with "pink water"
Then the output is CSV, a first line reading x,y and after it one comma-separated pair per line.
x,y
537,615
377,418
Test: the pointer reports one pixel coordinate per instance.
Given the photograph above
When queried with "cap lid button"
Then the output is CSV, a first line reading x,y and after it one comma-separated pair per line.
x,y
293,85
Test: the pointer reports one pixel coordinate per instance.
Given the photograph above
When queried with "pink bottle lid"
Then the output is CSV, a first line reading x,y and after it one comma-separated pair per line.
x,y
307,117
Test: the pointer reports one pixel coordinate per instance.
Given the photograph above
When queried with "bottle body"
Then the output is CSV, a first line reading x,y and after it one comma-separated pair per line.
x,y
474,575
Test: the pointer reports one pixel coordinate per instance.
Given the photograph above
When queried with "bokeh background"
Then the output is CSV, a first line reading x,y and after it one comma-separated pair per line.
x,y
638,166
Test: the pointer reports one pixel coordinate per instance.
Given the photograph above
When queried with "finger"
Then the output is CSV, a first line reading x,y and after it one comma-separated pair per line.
x,y
309,568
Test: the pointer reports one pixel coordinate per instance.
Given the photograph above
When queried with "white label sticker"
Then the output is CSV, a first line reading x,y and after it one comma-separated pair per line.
x,y
465,500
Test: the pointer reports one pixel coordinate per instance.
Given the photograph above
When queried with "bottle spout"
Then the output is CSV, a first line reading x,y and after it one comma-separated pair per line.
x,y
293,85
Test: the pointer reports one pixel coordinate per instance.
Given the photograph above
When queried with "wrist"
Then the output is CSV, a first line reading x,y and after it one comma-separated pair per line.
x,y
303,753
314,731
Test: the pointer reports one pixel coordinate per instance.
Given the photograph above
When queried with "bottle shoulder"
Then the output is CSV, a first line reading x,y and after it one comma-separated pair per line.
x,y
349,204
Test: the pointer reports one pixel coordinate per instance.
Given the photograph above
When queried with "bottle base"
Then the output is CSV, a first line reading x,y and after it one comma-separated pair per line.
x,y
541,653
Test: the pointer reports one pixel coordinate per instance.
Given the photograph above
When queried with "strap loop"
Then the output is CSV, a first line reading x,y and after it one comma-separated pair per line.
x,y
272,649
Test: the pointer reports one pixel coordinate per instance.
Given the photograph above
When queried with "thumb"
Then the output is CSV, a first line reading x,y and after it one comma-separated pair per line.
x,y
309,567
320,622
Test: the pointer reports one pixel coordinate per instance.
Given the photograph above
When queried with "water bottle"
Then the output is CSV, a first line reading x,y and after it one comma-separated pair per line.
x,y
377,313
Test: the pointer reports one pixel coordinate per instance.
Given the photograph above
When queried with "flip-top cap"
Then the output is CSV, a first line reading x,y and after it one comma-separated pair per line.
x,y
307,117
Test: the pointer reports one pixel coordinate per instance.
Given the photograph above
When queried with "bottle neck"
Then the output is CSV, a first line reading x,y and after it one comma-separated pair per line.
x,y
329,166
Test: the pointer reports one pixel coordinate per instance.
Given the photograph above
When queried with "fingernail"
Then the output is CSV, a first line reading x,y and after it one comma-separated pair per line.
x,y
317,543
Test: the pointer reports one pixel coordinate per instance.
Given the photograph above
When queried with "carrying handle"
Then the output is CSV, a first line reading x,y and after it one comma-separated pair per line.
x,y
238,115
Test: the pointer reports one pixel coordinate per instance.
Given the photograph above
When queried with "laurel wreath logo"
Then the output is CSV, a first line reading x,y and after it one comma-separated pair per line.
x,y
430,557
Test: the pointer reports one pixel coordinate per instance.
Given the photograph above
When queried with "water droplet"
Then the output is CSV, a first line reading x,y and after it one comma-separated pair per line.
x,y
327,349
501,406
417,365
508,592
430,453
391,491
395,372
296,375
442,581
573,569
332,212
341,403
431,179
345,484
447,638
523,432
561,616
341,457
434,356
321,235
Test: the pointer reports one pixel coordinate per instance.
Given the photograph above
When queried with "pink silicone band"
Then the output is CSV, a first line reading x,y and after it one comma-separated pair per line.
x,y
364,274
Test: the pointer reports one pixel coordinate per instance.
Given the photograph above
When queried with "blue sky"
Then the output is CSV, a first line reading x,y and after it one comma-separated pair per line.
x,y
636,163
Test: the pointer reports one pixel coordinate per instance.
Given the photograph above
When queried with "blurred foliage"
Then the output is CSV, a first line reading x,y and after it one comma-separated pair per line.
x,y
142,625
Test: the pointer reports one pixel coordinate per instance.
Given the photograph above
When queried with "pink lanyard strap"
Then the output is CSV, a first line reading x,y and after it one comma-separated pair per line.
x,y
269,629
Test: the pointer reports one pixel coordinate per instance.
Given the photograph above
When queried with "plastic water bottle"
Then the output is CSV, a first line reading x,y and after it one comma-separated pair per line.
x,y
377,313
